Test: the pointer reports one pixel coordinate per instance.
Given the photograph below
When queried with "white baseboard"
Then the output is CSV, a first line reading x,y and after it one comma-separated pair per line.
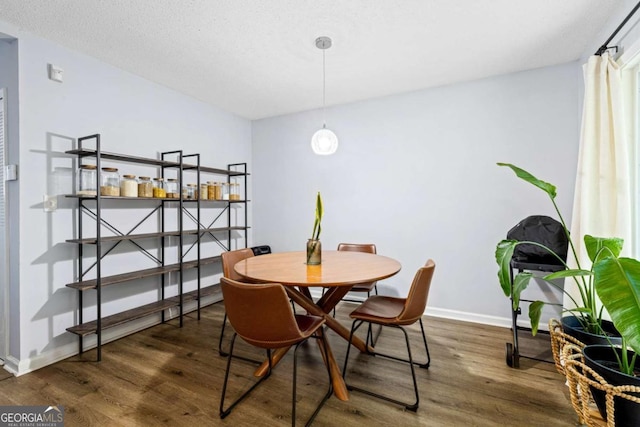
x,y
444,313
503,322
24,366
11,365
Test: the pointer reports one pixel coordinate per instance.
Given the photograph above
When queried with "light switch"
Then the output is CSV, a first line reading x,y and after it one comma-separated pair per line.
x,y
11,172
55,73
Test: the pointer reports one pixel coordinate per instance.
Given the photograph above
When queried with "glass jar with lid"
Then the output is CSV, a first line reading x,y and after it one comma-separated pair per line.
x,y
225,190
87,180
204,191
129,186
171,186
110,182
211,190
190,192
158,188
145,188
234,191
217,186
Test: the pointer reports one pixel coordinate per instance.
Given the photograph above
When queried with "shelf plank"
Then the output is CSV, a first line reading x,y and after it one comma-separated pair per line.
x,y
117,319
85,152
111,239
203,261
204,292
161,199
140,274
218,171
218,229
123,317
93,240
214,201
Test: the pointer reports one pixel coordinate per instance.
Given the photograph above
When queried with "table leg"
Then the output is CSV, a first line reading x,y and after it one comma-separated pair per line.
x,y
323,307
276,356
339,386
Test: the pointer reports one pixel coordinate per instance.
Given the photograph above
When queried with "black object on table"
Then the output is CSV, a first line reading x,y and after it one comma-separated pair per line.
x,y
261,250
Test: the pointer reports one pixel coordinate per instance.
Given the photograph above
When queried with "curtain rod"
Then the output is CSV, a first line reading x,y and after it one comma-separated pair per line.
x,y
604,46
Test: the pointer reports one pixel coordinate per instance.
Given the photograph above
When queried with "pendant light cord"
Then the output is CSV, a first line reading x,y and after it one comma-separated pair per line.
x,y
324,92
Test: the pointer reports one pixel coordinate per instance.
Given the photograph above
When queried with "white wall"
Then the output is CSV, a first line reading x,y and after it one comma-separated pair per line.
x,y
416,174
133,116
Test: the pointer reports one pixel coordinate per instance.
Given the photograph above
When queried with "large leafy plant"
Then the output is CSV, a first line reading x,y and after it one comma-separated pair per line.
x,y
617,282
586,307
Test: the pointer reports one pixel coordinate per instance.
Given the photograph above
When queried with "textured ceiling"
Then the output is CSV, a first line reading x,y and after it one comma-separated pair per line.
x,y
257,58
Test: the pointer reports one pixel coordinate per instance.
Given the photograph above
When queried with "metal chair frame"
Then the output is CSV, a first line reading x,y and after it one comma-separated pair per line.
x,y
395,313
225,412
369,340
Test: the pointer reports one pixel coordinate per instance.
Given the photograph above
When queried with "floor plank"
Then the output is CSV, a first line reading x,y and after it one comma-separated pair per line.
x,y
168,375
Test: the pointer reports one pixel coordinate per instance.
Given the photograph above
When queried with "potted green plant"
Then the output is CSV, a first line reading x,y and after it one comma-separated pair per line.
x,y
617,283
314,246
587,316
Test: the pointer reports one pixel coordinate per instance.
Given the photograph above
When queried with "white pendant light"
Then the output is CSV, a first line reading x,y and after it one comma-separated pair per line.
x,y
324,141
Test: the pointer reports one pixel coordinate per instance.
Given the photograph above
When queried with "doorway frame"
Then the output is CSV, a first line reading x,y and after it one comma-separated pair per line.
x,y
4,270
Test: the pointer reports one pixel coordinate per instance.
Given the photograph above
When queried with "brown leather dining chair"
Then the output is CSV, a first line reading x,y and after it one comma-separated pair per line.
x,y
361,247
262,316
396,312
358,287
229,259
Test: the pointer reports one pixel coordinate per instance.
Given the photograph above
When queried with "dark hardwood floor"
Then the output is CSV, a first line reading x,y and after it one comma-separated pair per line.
x,y
172,376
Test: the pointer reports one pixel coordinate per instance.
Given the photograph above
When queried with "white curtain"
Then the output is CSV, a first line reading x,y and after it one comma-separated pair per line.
x,y
602,201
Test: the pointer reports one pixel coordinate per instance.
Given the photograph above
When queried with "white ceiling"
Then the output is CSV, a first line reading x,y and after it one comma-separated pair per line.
x,y
257,58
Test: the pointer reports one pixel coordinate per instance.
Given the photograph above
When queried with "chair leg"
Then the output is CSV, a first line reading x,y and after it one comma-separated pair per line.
x,y
224,353
224,324
354,327
424,365
371,339
426,347
410,406
225,412
295,382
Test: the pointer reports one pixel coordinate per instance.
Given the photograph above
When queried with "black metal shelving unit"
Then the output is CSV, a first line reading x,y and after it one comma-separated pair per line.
x,y
93,206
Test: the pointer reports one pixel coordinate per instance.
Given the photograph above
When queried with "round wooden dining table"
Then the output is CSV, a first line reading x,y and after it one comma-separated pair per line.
x,y
338,272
